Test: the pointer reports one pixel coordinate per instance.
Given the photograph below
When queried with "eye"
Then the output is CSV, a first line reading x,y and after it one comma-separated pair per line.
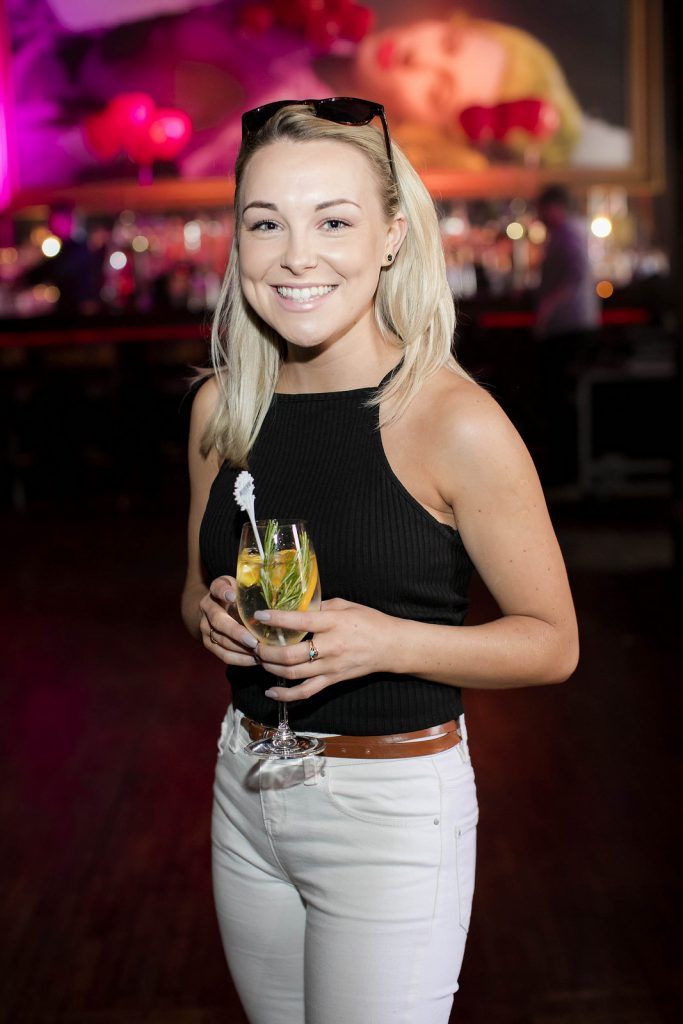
x,y
263,226
335,224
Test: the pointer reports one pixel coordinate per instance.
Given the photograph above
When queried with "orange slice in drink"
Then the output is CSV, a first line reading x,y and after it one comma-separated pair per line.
x,y
248,569
281,563
312,584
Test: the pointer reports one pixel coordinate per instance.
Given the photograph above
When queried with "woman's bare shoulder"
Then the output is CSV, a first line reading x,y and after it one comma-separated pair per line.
x,y
470,431
205,398
460,408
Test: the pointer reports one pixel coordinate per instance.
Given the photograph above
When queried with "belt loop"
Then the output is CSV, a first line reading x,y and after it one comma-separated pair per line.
x,y
463,745
310,770
221,738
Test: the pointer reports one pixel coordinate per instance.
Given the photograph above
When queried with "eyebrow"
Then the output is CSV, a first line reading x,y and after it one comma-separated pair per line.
x,y
260,204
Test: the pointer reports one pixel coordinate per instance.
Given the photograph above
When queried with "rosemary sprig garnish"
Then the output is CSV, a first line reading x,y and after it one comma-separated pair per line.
x,y
289,593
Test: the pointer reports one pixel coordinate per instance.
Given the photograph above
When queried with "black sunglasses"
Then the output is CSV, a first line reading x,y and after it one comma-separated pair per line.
x,y
339,109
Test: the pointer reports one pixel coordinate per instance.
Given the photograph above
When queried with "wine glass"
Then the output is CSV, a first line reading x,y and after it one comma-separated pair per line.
x,y
285,578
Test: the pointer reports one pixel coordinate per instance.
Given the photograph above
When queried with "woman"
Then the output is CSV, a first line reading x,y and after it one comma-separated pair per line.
x,y
343,884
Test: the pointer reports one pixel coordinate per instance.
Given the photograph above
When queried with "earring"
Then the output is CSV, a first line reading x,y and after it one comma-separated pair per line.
x,y
390,257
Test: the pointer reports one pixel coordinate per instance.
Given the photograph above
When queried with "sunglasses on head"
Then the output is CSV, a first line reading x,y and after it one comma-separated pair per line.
x,y
339,109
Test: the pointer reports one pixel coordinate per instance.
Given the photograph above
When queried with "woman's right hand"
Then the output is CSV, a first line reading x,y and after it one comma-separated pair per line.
x,y
222,631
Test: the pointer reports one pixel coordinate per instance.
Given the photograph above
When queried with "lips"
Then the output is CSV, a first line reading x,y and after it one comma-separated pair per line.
x,y
385,53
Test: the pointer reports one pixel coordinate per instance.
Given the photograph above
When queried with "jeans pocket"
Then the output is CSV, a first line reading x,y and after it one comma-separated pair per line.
x,y
396,793
465,863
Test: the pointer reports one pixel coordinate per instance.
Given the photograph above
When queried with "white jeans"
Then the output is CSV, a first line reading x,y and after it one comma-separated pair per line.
x,y
343,887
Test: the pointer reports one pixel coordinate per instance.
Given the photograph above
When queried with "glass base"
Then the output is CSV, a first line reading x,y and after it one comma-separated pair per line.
x,y
293,748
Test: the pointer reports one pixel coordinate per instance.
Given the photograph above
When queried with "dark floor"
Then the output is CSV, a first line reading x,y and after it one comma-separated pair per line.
x,y
111,718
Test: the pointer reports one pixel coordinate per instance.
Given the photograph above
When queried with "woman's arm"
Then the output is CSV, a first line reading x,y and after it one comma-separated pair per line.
x,y
488,478
503,519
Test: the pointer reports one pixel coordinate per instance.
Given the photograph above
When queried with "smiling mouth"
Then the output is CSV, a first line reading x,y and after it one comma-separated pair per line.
x,y
305,294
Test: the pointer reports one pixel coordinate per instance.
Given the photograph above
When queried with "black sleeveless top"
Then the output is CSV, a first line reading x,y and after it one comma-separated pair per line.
x,y
319,457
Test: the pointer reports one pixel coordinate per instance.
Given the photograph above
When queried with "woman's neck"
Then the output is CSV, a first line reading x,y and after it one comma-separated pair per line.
x,y
337,368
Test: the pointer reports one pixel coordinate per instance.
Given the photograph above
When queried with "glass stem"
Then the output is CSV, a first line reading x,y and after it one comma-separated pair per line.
x,y
283,718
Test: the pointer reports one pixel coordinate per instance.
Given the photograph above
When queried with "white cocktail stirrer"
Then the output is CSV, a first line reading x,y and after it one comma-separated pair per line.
x,y
244,496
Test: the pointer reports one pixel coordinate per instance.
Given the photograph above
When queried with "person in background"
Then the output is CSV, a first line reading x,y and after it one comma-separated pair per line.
x,y
78,268
567,324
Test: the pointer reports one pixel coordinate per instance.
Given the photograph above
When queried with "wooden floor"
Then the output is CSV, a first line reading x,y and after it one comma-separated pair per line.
x,y
111,715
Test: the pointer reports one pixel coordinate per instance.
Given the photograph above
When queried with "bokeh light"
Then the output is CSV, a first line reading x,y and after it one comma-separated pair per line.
x,y
51,246
537,232
118,260
605,289
453,225
192,233
515,230
601,227
45,293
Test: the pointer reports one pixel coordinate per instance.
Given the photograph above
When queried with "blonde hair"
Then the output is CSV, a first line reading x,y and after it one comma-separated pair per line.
x,y
413,304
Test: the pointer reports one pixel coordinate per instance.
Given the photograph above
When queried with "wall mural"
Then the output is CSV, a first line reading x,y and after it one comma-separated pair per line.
x,y
103,91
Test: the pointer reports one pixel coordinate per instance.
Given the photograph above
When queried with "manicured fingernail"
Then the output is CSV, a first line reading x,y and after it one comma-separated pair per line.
x,y
262,616
250,640
229,595
271,693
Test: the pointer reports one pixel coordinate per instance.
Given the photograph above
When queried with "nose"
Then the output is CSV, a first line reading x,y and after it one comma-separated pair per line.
x,y
299,253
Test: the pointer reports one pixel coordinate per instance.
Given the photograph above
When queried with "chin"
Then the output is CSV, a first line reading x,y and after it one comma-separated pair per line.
x,y
308,342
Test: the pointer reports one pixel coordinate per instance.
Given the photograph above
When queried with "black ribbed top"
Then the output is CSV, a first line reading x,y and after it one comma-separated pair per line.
x,y
319,457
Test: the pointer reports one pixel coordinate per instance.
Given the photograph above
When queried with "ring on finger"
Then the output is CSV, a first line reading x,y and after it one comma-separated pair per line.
x,y
212,636
312,651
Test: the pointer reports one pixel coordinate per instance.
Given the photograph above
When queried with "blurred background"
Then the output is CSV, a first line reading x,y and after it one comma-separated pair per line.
x,y
550,139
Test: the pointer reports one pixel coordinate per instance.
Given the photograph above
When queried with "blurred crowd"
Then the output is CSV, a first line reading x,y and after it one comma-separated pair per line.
x,y
68,263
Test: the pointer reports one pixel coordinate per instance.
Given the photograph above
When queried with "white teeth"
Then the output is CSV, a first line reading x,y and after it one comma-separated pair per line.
x,y
305,294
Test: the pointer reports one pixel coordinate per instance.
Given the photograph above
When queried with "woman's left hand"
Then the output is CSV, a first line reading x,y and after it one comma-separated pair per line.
x,y
351,639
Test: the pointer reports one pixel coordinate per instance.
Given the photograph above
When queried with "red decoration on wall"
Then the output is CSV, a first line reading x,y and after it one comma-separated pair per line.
x,y
257,18
357,21
484,124
132,123
323,29
129,115
100,137
169,132
322,22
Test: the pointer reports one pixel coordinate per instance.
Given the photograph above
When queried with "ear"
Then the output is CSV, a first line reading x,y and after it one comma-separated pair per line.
x,y
396,232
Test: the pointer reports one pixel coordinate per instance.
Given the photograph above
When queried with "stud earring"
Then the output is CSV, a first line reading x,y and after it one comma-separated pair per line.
x,y
390,257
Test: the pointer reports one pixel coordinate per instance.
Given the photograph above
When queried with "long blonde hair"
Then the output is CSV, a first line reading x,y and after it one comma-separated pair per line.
x,y
413,305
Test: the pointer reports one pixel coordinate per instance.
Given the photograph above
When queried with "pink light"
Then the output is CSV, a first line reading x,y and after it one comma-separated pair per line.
x,y
7,163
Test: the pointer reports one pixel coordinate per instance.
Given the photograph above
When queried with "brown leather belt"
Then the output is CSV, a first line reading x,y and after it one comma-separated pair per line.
x,y
402,744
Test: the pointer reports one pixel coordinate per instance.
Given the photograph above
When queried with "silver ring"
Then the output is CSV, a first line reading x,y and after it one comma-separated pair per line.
x,y
312,651
212,636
